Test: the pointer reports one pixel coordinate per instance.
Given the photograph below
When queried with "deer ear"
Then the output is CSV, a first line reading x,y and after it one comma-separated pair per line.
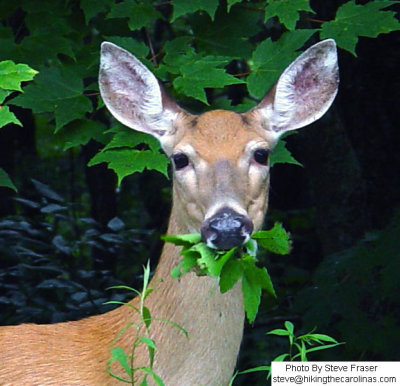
x,y
304,91
133,95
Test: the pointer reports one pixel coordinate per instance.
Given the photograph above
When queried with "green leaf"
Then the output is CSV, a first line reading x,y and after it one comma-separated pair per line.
x,y
5,180
80,133
195,76
58,92
353,20
281,155
126,161
251,298
231,3
186,240
11,75
4,94
230,274
270,58
287,11
276,240
258,276
207,260
319,338
118,354
6,117
183,7
254,279
279,332
125,137
146,317
156,378
140,14
92,8
223,36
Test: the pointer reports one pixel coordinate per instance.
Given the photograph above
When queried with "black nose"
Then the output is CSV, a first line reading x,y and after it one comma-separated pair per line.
x,y
226,229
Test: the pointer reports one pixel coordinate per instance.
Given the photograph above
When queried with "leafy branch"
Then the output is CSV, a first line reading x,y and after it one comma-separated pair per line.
x,y
233,265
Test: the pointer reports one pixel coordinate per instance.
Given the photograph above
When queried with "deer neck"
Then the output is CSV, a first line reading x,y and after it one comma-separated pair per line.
x,y
213,321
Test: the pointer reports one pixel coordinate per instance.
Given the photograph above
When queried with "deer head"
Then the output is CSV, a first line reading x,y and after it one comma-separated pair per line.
x,y
220,158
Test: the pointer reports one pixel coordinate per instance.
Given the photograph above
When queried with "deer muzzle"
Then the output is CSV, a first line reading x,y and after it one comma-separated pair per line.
x,y
226,229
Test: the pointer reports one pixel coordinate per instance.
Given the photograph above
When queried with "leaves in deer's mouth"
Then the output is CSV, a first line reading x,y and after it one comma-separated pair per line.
x,y
233,265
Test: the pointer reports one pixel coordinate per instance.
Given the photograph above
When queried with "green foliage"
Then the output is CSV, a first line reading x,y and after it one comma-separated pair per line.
x,y
287,11
183,7
51,276
362,285
270,58
354,20
59,92
233,265
142,331
197,48
5,180
11,77
281,155
300,346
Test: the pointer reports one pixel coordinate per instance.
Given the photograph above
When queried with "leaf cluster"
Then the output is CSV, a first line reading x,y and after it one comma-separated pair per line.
x,y
237,264
50,255
142,333
199,49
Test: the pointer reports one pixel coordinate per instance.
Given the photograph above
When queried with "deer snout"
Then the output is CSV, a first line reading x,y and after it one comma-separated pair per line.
x,y
226,229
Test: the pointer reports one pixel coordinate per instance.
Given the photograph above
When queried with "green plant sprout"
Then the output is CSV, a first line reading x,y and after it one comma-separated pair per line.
x,y
127,361
299,347
237,263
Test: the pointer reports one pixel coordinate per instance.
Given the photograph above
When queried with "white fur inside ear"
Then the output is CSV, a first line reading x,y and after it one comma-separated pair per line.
x,y
306,89
131,92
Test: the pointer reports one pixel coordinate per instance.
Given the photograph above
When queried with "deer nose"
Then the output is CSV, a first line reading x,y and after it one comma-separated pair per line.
x,y
226,229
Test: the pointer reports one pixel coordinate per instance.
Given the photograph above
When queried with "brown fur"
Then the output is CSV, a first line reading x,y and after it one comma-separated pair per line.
x,y
76,353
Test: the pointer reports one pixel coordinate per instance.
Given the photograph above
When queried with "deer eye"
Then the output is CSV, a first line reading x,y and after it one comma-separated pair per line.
x,y
261,156
180,161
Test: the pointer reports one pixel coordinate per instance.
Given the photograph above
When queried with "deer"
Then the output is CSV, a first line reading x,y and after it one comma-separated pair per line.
x,y
220,162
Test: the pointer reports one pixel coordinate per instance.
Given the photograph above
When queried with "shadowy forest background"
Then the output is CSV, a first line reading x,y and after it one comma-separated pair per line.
x,y
68,231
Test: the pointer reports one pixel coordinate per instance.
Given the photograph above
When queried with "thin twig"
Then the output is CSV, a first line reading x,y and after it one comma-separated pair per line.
x,y
153,54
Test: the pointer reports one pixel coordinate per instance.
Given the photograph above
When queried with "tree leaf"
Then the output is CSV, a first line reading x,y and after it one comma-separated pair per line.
x,y
80,133
56,91
125,137
287,11
251,298
186,240
126,161
183,7
92,8
276,240
281,155
195,76
354,20
270,58
217,37
5,180
231,3
230,274
6,117
140,14
12,75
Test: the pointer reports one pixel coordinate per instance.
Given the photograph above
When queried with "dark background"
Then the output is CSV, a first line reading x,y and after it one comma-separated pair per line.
x,y
69,234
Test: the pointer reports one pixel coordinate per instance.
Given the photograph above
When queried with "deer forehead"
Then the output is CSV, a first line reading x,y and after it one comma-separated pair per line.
x,y
219,135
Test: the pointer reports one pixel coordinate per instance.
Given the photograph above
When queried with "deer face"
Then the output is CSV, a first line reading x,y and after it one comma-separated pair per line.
x,y
220,158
